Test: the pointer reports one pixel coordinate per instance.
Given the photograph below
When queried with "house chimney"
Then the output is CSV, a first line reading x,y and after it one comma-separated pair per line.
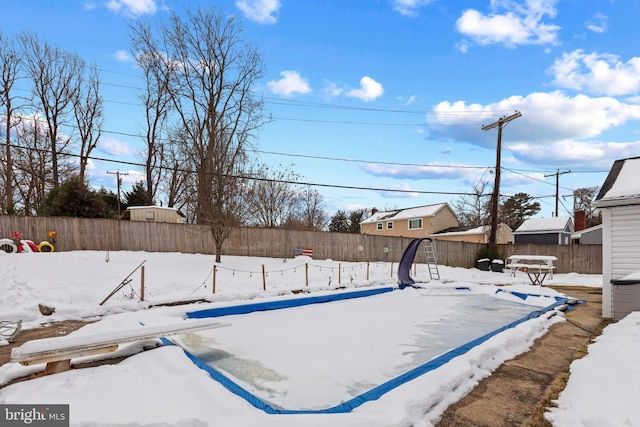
x,y
374,211
580,220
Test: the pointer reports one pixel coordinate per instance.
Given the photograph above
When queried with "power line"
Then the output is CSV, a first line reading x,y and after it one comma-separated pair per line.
x,y
367,161
254,178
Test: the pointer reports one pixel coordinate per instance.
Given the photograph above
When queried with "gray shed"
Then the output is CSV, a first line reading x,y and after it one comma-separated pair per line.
x,y
619,202
545,231
588,236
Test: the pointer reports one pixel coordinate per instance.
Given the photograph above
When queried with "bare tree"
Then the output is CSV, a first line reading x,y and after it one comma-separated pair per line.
x,y
583,200
55,75
272,196
157,102
33,165
211,73
88,109
178,183
473,209
10,63
312,210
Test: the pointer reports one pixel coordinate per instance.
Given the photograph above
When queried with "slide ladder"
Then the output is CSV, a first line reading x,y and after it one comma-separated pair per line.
x,y
404,268
432,259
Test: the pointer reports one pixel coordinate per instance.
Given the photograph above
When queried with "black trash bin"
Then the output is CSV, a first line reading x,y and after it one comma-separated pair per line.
x,y
483,264
497,265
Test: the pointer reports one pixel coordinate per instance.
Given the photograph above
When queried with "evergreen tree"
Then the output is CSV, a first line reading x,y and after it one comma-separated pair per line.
x,y
74,198
355,218
339,222
516,209
138,196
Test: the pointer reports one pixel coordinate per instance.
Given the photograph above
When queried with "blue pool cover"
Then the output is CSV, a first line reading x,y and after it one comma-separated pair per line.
x,y
372,394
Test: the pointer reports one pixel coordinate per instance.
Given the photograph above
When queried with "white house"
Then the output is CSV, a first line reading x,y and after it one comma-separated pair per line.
x,y
619,202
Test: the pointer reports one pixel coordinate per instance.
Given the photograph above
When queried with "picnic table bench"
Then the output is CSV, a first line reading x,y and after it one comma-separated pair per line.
x,y
537,267
57,352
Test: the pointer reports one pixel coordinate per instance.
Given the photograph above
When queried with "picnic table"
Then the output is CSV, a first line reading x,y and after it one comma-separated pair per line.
x,y
537,267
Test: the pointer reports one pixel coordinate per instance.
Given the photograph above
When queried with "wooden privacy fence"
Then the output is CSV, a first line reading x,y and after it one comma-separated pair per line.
x,y
112,235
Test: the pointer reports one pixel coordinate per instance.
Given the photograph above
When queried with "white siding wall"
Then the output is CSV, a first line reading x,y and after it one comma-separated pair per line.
x,y
622,252
625,241
606,263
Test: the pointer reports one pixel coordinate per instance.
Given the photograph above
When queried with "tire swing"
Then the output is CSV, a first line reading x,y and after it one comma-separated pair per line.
x,y
8,246
45,247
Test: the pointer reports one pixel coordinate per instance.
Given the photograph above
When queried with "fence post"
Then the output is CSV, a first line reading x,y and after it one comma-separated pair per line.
x,y
264,279
339,271
391,268
306,273
215,270
142,283
367,270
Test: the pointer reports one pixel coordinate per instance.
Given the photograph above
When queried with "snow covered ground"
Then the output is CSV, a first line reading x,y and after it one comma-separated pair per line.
x,y
163,387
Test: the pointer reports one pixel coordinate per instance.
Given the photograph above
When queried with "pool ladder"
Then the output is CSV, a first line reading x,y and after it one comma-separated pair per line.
x,y
431,256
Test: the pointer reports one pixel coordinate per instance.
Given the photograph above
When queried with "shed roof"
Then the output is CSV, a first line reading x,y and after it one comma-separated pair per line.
x,y
468,230
621,187
408,213
463,230
544,225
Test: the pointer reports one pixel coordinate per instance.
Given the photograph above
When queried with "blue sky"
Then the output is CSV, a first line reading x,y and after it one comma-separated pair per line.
x,y
393,94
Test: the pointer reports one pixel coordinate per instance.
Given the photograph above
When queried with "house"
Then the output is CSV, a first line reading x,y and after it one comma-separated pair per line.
x,y
588,236
545,231
619,204
475,234
420,221
154,214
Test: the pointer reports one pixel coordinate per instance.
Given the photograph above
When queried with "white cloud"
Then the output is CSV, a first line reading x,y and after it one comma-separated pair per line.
x,y
368,91
123,56
290,83
261,11
408,100
511,23
410,7
598,24
331,89
572,152
463,46
415,172
553,128
597,73
553,116
133,7
115,147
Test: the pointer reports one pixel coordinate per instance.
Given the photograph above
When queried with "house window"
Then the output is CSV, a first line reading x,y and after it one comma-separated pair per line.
x,y
415,224
390,225
149,215
379,226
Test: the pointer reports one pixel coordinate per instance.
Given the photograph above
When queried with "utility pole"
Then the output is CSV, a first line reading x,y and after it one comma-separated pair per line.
x,y
117,174
496,185
557,174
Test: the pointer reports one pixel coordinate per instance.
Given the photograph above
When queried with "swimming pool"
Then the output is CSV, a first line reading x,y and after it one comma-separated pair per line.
x,y
352,346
